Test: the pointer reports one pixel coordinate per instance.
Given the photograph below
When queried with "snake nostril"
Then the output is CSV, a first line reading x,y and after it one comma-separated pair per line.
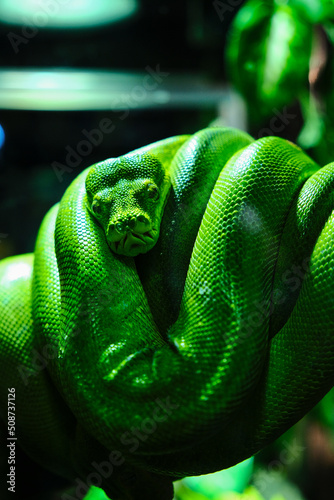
x,y
127,224
143,219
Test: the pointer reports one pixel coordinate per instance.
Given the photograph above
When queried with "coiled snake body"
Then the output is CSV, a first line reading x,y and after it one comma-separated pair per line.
x,y
178,308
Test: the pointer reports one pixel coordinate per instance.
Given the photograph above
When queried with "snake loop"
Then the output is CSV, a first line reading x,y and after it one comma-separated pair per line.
x,y
189,284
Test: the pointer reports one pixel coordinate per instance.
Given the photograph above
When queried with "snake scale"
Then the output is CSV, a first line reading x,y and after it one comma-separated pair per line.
x,y
177,313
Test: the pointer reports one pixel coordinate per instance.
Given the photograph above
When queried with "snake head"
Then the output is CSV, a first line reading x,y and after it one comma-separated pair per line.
x,y
127,196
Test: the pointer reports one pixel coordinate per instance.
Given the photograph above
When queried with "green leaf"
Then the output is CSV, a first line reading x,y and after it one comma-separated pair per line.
x,y
96,494
314,11
313,128
233,479
268,56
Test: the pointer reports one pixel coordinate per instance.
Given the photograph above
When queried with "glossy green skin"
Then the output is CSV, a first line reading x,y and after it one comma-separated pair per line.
x,y
193,356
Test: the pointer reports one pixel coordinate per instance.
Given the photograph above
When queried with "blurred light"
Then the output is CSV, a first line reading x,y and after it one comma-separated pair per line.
x,y
282,27
65,13
2,136
18,269
76,90
211,486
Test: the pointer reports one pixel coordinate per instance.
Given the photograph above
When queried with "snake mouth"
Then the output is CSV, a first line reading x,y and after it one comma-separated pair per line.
x,y
133,243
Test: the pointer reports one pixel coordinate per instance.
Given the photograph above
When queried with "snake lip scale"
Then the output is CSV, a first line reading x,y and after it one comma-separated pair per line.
x,y
133,242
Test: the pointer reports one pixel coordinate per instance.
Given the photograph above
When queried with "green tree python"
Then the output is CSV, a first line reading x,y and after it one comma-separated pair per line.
x,y
177,313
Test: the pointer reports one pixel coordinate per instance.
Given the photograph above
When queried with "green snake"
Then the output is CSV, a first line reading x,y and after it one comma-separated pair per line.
x,y
177,312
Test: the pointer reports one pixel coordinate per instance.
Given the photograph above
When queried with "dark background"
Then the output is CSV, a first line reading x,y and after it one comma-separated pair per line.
x,y
183,38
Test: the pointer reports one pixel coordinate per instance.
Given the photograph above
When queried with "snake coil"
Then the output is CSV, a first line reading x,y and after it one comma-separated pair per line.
x,y
182,296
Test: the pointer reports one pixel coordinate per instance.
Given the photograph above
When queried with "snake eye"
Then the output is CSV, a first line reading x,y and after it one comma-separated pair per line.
x,y
96,207
152,191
